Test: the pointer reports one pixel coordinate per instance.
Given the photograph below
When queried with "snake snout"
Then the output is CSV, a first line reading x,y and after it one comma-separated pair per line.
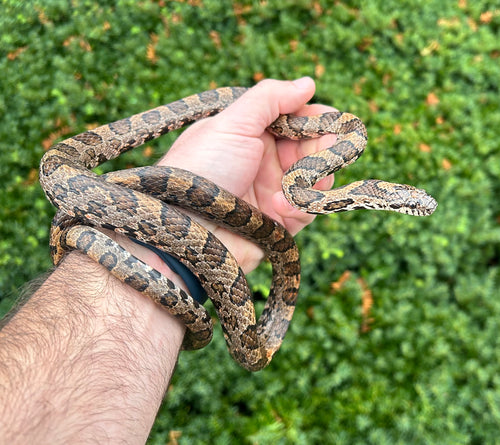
x,y
420,203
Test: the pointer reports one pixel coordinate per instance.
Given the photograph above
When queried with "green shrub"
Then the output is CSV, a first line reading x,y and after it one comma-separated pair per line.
x,y
422,367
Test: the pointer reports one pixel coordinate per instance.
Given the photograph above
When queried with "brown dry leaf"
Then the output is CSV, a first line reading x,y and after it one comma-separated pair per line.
x,y
239,10
68,40
317,8
85,45
430,48
358,86
32,177
258,76
462,4
310,312
386,78
366,305
453,22
425,148
446,164
215,37
151,48
92,125
373,106
148,152
173,437
176,18
366,42
397,129
486,17
293,45
440,120
432,99
337,285
51,138
472,23
319,70
15,54
42,18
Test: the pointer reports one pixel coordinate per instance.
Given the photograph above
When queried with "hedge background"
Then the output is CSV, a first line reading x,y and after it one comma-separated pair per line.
x,y
395,339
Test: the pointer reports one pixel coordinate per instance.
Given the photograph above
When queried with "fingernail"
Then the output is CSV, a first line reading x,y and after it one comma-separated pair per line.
x,y
303,83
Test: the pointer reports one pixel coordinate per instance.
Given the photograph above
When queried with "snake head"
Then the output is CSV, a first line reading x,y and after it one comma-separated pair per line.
x,y
414,201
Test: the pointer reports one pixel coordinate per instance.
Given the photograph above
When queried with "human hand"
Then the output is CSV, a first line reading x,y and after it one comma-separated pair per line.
x,y
234,150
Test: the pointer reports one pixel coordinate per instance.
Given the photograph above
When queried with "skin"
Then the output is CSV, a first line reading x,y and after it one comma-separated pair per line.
x,y
87,358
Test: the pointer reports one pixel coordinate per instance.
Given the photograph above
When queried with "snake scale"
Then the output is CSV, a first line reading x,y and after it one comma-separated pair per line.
x,y
138,203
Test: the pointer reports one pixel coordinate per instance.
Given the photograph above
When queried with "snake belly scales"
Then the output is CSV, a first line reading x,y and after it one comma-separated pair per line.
x,y
135,202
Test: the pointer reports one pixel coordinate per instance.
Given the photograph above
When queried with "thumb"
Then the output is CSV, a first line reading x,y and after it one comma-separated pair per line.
x,y
261,105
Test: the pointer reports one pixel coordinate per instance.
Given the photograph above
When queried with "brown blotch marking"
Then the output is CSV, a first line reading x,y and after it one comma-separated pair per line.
x,y
239,216
151,117
51,164
210,96
235,295
249,337
316,164
67,149
130,261
292,268
328,121
212,252
137,281
121,127
297,123
346,150
218,288
300,183
179,224
148,228
124,199
90,153
284,244
267,227
169,301
189,317
304,197
191,256
178,107
108,260
88,138
338,205
85,240
202,193
290,295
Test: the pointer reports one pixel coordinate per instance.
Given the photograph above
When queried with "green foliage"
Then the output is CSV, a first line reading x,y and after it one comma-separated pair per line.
x,y
424,78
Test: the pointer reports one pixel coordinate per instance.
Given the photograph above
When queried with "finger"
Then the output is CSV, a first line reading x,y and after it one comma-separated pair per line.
x,y
293,219
325,183
290,152
253,112
315,109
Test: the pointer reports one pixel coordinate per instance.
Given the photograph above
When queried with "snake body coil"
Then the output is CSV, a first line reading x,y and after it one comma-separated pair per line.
x,y
134,202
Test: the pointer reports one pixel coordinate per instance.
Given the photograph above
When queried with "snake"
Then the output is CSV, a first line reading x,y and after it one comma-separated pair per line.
x,y
149,203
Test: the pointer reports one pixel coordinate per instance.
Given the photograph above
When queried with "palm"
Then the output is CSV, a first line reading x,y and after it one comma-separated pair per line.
x,y
233,150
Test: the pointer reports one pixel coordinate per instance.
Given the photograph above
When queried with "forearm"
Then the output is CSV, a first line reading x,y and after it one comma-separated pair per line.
x,y
86,358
